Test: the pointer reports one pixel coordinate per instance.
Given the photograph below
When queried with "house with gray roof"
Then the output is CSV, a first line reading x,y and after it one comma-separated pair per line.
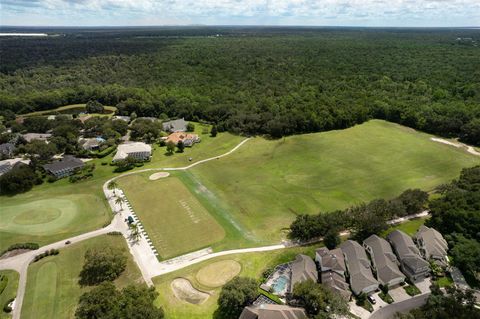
x,y
273,311
330,260
64,167
137,150
358,268
432,245
179,125
36,136
7,149
303,268
8,164
411,263
385,264
336,283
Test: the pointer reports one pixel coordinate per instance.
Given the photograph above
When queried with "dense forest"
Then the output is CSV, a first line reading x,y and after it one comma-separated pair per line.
x,y
275,81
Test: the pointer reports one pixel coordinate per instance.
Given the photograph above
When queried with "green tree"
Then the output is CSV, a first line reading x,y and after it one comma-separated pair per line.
x,y
119,201
213,131
413,200
18,180
106,264
190,127
94,106
170,147
332,238
112,185
41,149
235,295
318,301
466,256
106,302
180,146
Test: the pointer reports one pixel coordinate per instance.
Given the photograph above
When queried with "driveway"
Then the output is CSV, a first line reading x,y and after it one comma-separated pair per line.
x,y
398,294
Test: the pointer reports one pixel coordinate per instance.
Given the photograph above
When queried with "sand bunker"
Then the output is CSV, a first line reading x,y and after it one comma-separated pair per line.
x,y
156,176
183,290
218,273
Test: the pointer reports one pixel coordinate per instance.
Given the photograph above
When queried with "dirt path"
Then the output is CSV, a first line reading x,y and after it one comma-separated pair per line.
x,y
468,148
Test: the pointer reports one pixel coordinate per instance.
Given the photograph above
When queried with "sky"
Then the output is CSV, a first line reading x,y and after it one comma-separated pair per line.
x,y
397,13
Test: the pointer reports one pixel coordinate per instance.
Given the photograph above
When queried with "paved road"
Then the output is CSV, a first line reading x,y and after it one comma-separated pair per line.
x,y
20,262
145,259
389,311
468,148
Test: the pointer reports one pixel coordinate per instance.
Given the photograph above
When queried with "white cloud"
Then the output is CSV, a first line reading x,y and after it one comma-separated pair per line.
x,y
129,12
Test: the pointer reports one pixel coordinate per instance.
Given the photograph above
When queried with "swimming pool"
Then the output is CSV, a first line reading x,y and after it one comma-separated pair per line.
x,y
279,285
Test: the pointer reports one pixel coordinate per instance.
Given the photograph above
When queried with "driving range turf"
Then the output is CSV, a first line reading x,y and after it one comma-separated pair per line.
x,y
266,183
52,288
173,218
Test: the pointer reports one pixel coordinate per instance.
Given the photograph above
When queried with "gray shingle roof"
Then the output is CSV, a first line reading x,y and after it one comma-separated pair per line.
x,y
179,125
336,282
303,269
269,311
383,259
332,259
68,162
431,243
407,252
358,266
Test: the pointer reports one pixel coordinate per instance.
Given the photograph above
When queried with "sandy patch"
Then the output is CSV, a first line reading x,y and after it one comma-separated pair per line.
x,y
218,273
156,176
183,290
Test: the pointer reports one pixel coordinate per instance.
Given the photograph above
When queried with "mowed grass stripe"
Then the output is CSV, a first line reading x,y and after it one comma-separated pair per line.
x,y
52,287
266,183
46,291
173,218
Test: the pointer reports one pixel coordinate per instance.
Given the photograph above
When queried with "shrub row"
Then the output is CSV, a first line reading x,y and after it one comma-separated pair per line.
x,y
51,252
31,246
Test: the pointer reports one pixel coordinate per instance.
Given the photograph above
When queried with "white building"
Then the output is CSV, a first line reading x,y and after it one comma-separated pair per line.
x,y
136,150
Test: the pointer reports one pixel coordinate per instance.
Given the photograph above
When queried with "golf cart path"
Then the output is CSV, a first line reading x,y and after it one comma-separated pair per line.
x,y
468,148
21,262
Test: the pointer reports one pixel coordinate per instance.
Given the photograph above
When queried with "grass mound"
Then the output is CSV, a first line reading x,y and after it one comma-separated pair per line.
x,y
266,183
219,273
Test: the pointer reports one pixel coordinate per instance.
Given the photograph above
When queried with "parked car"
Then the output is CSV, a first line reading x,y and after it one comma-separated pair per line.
x,y
67,242
371,299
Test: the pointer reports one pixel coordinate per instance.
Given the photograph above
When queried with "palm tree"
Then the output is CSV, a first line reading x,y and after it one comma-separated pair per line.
x,y
120,201
134,232
112,186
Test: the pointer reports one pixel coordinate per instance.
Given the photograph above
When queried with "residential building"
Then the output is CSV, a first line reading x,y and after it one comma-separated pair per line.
x,y
358,268
91,144
64,167
336,283
137,150
384,261
432,245
411,263
147,118
332,266
36,136
271,311
330,260
303,268
8,164
187,138
6,150
179,125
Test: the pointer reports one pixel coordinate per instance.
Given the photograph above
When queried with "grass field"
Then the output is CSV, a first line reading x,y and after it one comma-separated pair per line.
x,y
410,227
9,291
47,214
252,265
64,109
173,218
266,183
52,287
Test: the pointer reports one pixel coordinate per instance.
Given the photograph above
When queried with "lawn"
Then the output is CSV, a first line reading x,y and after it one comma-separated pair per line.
x,y
173,218
8,289
409,227
252,265
266,183
52,287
